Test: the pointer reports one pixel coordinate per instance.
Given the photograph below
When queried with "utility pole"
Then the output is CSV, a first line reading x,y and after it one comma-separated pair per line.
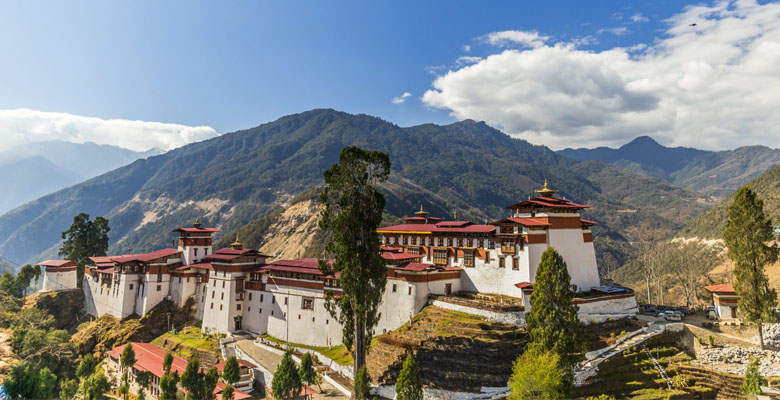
x,y
287,320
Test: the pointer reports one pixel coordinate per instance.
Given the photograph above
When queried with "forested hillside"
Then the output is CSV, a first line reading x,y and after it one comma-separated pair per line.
x,y
714,173
240,177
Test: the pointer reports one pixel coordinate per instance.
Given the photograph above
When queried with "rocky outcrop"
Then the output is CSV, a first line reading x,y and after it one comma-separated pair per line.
x,y
66,306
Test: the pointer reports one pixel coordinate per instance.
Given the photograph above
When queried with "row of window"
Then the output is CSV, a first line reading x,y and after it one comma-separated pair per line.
x,y
440,241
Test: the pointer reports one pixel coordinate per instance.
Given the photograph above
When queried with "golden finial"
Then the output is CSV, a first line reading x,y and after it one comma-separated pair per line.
x,y
546,191
421,212
197,223
455,215
237,244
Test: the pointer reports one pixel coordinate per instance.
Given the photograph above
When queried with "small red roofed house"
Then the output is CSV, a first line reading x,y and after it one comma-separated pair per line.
x,y
58,275
149,357
724,298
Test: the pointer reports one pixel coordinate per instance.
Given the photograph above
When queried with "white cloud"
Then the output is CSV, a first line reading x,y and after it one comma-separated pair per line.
x,y
29,126
617,31
466,48
712,85
466,60
530,39
638,17
402,98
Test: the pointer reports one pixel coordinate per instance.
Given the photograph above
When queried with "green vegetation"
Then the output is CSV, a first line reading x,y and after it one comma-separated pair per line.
x,y
353,212
286,383
84,239
199,384
538,374
409,383
306,370
753,381
187,340
339,353
17,285
747,232
231,373
168,382
362,386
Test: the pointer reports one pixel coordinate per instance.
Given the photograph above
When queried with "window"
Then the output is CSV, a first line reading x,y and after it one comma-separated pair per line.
x,y
468,242
260,310
326,321
440,241
215,283
131,286
272,312
212,294
394,287
440,257
179,279
468,259
307,303
285,301
410,290
515,264
500,262
196,252
250,296
188,279
491,244
248,309
223,284
238,307
261,298
222,296
159,288
273,300
413,250
212,306
405,240
299,316
449,241
312,319
220,307
459,242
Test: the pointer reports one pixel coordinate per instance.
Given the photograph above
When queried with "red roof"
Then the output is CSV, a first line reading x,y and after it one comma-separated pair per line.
x,y
523,285
146,257
586,222
222,257
389,248
101,260
57,263
453,223
387,255
193,229
198,266
722,288
438,228
106,271
149,357
413,266
552,202
230,250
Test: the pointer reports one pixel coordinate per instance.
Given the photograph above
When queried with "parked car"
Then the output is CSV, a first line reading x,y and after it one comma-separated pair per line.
x,y
673,317
661,315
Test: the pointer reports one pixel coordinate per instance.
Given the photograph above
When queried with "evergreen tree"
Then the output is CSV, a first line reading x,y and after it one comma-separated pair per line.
x,y
85,369
30,382
748,230
353,212
286,383
142,378
752,381
306,371
167,362
200,385
409,383
168,388
362,384
228,392
231,373
69,388
537,374
552,322
84,239
98,386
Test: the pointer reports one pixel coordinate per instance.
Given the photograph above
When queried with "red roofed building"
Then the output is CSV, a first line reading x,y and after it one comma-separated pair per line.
x,y
149,358
58,275
725,299
497,255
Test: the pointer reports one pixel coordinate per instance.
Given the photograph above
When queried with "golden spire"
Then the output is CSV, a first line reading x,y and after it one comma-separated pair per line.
x,y
237,244
546,191
197,223
455,215
421,212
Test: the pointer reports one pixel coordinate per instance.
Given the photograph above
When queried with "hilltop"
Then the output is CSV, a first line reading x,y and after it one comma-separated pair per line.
x,y
240,177
713,173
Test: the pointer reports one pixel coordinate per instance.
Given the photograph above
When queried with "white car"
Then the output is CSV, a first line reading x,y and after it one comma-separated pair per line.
x,y
673,317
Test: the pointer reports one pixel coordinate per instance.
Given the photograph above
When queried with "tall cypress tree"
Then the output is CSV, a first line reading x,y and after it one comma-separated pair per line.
x,y
409,383
748,230
353,212
552,322
286,383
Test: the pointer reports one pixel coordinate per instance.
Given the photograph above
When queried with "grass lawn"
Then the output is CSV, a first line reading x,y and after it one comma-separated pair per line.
x,y
339,354
186,339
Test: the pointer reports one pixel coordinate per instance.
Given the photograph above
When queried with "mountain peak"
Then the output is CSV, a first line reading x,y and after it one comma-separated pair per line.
x,y
642,141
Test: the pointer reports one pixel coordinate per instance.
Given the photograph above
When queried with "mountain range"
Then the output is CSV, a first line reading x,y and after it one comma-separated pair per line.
x,y
713,173
241,177
32,170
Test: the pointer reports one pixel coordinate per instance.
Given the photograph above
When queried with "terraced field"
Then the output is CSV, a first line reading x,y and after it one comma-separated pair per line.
x,y
455,351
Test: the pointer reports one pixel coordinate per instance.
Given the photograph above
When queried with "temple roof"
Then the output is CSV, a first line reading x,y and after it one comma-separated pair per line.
x,y
441,227
547,202
57,263
725,288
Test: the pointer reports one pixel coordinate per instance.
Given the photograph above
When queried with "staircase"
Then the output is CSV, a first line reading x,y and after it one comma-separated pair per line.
x,y
454,351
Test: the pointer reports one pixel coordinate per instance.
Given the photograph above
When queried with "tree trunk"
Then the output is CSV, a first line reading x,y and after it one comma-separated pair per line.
x,y
761,334
647,280
359,344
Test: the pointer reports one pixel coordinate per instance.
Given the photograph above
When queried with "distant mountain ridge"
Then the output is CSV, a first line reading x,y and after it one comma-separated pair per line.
x,y
240,177
714,173
32,170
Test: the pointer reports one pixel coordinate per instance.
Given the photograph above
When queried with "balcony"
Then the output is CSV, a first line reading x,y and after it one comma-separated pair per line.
x,y
254,285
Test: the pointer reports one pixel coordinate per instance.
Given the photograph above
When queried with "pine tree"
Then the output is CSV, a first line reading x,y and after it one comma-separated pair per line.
x,y
231,373
168,388
200,385
228,392
537,374
752,382
362,384
84,239
409,384
306,371
353,212
552,322
286,383
748,230
167,362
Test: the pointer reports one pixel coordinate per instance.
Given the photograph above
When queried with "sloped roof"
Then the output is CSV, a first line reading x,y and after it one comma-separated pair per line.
x,y
721,288
57,263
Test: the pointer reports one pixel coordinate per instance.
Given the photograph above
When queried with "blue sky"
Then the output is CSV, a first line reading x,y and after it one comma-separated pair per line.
x,y
233,65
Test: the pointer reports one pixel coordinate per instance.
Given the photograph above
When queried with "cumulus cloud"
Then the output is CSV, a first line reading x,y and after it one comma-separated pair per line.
x,y
530,39
617,31
711,85
29,126
402,98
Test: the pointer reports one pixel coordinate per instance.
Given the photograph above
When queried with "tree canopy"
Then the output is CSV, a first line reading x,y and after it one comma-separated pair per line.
x,y
231,373
85,239
537,374
199,384
353,212
748,231
286,383
409,383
